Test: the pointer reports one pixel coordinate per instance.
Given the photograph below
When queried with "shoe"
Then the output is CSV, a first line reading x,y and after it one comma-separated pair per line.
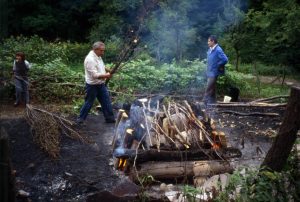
x,y
110,121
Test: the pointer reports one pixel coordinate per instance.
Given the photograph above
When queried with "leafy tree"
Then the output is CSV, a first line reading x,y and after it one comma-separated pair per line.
x,y
65,19
269,34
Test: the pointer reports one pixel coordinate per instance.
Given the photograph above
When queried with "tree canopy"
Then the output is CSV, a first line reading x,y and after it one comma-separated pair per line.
x,y
264,31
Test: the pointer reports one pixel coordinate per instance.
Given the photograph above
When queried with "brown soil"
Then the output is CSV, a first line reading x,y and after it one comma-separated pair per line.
x,y
84,169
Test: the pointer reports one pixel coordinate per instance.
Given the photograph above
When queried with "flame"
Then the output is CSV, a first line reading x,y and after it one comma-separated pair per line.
x,y
122,164
215,146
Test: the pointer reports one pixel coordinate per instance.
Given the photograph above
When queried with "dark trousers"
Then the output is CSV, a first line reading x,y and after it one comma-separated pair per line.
x,y
210,92
22,93
101,93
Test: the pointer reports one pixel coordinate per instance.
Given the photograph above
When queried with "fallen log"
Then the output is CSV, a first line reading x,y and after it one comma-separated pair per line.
x,y
163,170
209,168
179,169
185,155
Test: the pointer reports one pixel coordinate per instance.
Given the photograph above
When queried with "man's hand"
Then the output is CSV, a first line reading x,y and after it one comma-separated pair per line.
x,y
108,75
105,76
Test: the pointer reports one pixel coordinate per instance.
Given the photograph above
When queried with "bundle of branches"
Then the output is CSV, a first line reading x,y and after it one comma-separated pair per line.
x,y
48,127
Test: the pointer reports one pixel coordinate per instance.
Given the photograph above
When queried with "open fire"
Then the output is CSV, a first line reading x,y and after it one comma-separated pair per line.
x,y
169,136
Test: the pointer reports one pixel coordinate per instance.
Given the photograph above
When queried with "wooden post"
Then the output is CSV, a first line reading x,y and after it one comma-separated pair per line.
x,y
284,141
7,184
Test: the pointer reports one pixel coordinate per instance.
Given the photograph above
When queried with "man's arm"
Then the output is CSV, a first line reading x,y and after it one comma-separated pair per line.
x,y
27,64
222,58
92,70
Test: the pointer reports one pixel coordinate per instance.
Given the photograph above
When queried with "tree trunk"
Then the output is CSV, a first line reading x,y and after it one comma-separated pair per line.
x,y
284,141
7,184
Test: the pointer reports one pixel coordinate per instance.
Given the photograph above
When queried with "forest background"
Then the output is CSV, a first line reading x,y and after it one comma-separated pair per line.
x,y
260,38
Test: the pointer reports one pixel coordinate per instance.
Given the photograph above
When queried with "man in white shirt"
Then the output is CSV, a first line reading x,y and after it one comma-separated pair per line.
x,y
95,76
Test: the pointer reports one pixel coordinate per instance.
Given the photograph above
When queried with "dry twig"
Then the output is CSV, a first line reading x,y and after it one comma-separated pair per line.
x,y
48,127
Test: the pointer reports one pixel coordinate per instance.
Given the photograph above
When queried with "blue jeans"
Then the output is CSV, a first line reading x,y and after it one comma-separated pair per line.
x,y
22,92
100,92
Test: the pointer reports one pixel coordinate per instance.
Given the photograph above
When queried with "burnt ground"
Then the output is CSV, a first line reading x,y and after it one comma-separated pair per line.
x,y
84,169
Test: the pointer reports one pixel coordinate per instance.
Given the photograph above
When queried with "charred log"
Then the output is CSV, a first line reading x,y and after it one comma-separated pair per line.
x,y
185,155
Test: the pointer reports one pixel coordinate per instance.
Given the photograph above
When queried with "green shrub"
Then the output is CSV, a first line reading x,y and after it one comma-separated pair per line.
x,y
76,52
55,82
145,76
36,49
256,186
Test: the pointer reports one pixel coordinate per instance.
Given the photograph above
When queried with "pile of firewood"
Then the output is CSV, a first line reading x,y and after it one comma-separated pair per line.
x,y
169,141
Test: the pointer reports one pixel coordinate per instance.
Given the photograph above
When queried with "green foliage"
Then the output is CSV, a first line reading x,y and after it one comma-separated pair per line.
x,y
233,78
55,82
190,193
143,76
254,185
269,34
76,52
36,49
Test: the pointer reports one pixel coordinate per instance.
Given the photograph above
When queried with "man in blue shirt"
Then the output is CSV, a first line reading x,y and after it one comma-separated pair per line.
x,y
216,60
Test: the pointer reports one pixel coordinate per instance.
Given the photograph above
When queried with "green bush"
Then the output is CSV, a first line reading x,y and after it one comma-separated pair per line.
x,y
76,52
55,82
37,50
260,186
145,76
233,78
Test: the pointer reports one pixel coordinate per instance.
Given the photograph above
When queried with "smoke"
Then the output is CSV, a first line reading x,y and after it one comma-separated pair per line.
x,y
179,29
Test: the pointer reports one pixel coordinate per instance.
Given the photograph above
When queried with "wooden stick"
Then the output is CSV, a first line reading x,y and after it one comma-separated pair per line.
x,y
270,98
256,104
249,114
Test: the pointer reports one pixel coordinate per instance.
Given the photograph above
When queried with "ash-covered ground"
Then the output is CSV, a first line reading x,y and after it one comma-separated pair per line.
x,y
82,169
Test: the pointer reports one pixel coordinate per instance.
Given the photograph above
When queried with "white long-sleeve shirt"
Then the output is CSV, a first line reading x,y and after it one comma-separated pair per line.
x,y
94,67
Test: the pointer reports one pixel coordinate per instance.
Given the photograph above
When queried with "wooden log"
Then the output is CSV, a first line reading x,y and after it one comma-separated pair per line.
x,y
209,168
7,180
163,155
179,169
164,170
